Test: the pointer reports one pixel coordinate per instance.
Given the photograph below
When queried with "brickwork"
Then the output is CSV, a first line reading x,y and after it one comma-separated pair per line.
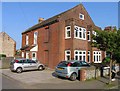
x,y
7,45
51,36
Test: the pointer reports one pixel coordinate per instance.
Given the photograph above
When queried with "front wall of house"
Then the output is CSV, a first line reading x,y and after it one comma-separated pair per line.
x,y
30,43
48,45
51,40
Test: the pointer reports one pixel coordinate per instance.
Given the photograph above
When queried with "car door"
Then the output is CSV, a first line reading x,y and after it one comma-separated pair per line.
x,y
25,65
32,64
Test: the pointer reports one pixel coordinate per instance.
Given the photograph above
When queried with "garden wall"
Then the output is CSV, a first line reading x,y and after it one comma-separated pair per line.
x,y
93,72
5,62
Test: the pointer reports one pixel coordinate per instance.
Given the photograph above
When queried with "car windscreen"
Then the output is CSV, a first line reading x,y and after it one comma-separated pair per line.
x,y
63,64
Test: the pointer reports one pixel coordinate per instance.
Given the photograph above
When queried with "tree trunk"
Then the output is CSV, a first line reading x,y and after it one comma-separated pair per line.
x,y
110,68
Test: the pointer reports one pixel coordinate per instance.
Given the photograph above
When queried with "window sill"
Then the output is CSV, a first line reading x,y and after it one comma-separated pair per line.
x,y
79,38
68,38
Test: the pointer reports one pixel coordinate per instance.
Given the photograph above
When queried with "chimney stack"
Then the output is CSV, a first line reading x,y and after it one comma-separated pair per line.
x,y
40,20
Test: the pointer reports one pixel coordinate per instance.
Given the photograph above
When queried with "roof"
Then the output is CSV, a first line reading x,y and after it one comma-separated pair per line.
x,y
50,20
27,47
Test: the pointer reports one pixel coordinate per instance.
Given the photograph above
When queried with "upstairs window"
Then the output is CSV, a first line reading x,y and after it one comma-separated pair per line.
x,y
79,33
67,32
88,35
27,38
94,33
47,35
35,37
81,16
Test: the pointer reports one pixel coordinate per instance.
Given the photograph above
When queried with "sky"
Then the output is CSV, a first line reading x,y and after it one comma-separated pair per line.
x,y
19,16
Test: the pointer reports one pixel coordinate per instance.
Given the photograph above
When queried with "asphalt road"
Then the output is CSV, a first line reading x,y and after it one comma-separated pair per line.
x,y
9,83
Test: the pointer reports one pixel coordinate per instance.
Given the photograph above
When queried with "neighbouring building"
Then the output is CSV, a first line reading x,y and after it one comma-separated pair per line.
x,y
7,45
65,36
110,28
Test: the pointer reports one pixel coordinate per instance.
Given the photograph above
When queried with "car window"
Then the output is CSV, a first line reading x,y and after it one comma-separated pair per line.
x,y
25,61
76,64
33,61
29,61
62,64
84,63
20,61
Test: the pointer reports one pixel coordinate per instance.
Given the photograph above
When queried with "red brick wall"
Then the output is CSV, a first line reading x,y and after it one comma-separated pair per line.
x,y
52,43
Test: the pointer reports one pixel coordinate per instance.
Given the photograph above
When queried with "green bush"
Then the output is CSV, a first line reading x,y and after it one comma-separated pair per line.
x,y
106,60
2,55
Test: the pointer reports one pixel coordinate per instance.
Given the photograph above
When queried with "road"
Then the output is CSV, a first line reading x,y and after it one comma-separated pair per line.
x,y
8,83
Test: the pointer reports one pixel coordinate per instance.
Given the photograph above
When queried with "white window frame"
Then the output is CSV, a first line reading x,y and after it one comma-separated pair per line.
x,y
35,37
80,53
27,55
67,30
34,58
67,54
89,36
94,33
27,39
83,17
80,30
22,54
89,57
97,56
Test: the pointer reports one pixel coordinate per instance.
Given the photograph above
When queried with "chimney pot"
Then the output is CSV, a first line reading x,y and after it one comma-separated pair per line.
x,y
41,20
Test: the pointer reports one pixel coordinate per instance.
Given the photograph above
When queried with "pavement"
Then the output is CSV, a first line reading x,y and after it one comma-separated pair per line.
x,y
39,80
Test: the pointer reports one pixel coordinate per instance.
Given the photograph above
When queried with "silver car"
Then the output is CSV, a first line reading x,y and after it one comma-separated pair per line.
x,y
70,69
20,65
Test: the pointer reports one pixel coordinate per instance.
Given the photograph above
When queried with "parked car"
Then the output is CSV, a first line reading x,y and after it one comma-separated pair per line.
x,y
70,69
20,65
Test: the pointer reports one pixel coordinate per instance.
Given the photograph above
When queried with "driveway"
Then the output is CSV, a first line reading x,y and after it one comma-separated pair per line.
x,y
35,77
46,80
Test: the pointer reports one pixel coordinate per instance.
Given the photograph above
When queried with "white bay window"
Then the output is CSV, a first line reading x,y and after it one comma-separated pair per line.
x,y
80,55
79,33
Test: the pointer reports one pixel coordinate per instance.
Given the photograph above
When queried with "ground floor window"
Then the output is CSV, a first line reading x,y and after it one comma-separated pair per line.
x,y
80,55
22,54
89,56
97,56
67,55
33,55
27,55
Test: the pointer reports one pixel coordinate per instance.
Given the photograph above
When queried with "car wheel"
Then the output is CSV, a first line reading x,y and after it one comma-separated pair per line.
x,y
19,70
40,68
73,77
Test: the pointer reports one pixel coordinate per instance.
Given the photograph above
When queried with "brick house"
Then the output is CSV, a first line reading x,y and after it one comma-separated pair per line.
x,y
65,36
7,45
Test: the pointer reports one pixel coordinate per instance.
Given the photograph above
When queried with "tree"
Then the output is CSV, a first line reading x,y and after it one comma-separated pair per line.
x,y
107,41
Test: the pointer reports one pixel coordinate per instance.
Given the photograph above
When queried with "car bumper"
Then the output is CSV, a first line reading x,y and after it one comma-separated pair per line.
x,y
65,75
12,68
